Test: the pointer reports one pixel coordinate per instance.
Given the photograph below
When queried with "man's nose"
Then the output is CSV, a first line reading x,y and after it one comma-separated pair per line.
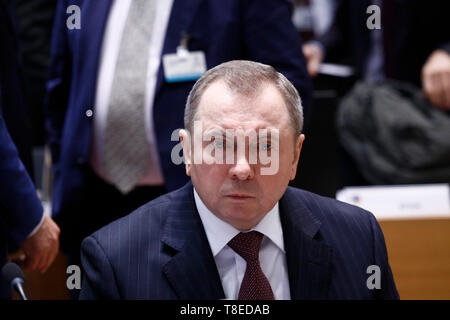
x,y
242,170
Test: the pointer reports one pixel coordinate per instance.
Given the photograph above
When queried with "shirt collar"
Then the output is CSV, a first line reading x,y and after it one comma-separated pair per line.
x,y
219,232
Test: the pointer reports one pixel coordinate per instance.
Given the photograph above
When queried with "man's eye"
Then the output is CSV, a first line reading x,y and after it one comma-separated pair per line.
x,y
265,146
218,144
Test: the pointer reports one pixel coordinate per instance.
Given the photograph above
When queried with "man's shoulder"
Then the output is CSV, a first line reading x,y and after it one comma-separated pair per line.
x,y
342,226
151,216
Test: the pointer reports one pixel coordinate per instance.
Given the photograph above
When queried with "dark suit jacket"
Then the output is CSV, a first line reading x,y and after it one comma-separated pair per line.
x,y
225,30
414,30
161,251
15,111
20,208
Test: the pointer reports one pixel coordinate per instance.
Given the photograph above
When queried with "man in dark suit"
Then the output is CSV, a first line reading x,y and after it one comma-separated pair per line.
x,y
22,220
238,231
411,44
101,67
409,33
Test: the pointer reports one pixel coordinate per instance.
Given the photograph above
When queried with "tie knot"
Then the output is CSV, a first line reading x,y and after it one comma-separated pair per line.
x,y
247,245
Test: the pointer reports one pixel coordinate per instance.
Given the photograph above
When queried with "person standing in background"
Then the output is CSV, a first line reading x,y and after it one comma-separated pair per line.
x,y
412,44
23,223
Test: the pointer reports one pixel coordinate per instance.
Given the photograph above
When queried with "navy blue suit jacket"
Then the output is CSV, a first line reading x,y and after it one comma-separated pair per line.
x,y
160,251
225,30
20,207
15,112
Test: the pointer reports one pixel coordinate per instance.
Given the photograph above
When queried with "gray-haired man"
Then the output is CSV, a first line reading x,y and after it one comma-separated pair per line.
x,y
238,231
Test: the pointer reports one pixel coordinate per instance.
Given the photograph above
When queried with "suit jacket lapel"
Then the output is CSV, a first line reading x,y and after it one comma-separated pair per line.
x,y
308,258
192,271
181,17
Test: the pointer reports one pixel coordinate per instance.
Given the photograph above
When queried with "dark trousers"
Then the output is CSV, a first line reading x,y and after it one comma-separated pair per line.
x,y
101,203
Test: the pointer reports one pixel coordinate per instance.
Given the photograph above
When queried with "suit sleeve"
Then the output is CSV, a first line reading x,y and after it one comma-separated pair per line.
x,y
58,84
388,289
20,207
270,37
99,279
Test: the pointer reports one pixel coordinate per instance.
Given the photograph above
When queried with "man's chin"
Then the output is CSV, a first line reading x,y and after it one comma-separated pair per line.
x,y
241,217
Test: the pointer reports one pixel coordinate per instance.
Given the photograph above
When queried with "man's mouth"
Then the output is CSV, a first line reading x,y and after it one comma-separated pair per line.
x,y
239,195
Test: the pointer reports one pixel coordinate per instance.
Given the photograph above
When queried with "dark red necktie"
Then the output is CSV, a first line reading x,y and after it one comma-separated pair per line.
x,y
255,285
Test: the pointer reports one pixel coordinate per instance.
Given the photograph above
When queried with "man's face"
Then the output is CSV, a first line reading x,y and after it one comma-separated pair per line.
x,y
238,192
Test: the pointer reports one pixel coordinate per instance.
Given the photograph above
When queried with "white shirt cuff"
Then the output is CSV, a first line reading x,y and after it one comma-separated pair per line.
x,y
37,226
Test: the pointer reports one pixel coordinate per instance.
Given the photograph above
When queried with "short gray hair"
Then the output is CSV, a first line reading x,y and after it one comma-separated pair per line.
x,y
246,78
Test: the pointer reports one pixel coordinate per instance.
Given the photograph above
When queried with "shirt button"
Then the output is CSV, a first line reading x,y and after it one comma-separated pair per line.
x,y
89,113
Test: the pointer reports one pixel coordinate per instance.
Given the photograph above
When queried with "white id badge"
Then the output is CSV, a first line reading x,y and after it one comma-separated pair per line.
x,y
184,65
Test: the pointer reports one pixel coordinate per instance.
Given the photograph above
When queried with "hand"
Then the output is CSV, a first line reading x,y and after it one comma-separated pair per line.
x,y
40,250
436,79
314,58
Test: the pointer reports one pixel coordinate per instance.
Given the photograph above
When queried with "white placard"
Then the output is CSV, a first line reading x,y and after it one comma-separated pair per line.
x,y
400,202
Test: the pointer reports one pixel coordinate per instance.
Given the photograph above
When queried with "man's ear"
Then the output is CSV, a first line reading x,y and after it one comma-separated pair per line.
x,y
185,138
297,151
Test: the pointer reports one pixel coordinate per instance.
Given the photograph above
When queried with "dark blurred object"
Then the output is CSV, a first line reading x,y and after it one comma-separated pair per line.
x,y
34,30
15,112
318,165
317,169
411,31
394,134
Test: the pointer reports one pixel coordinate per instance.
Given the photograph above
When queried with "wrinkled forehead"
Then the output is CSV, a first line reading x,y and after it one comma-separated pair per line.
x,y
223,107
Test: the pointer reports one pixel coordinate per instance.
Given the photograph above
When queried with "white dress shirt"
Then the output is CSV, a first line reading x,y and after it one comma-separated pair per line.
x,y
110,50
231,265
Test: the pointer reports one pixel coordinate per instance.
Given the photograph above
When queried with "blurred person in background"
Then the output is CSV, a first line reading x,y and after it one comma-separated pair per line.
x,y
312,18
412,41
412,45
34,30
